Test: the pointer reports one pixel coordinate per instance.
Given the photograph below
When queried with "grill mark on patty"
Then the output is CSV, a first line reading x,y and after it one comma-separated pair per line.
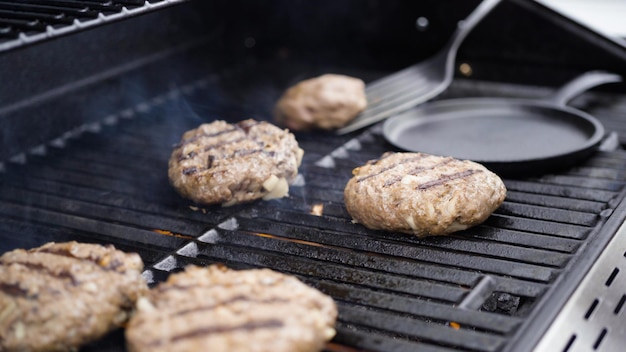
x,y
13,290
245,127
204,135
236,154
446,178
220,329
110,264
208,148
385,169
41,268
168,287
238,298
224,143
416,171
246,152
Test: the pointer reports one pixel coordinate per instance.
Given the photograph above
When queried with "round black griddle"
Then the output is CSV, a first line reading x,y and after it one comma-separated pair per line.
x,y
512,137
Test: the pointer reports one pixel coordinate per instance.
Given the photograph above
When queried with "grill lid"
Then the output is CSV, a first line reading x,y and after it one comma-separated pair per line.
x,y
28,21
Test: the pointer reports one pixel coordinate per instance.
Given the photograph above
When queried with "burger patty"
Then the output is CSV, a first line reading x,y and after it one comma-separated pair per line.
x,y
326,102
61,295
223,163
422,194
218,309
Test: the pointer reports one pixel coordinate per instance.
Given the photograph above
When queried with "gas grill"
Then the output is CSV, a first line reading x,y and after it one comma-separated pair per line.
x,y
96,93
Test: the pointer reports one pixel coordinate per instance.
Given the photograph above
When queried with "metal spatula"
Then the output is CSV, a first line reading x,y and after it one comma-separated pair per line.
x,y
418,83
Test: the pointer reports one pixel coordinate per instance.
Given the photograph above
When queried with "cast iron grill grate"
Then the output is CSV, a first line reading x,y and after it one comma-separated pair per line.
x,y
27,21
471,292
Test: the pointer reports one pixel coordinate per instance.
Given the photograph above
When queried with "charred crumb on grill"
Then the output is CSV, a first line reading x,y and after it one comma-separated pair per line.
x,y
230,168
427,196
70,282
227,310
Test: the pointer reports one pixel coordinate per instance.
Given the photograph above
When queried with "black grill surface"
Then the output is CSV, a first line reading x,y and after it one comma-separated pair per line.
x,y
472,291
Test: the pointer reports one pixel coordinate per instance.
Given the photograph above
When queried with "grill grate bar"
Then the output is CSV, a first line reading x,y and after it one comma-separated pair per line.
x,y
542,213
586,182
485,321
418,329
104,213
111,230
538,226
376,341
12,229
114,199
346,229
526,239
566,191
349,257
49,8
49,18
359,293
354,275
587,206
389,243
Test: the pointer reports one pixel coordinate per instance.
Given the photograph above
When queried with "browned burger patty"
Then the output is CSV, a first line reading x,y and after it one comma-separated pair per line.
x,y
223,163
326,102
218,309
422,194
61,295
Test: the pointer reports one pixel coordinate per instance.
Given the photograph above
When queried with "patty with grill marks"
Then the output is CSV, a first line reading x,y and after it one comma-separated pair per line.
x,y
421,194
61,295
219,309
327,102
223,163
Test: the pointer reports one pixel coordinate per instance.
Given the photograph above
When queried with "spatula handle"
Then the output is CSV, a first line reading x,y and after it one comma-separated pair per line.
x,y
581,84
466,25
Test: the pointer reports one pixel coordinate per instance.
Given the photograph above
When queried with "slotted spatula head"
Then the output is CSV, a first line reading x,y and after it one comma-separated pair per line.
x,y
418,83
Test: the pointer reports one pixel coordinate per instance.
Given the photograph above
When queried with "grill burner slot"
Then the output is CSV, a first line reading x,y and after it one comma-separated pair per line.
x,y
593,318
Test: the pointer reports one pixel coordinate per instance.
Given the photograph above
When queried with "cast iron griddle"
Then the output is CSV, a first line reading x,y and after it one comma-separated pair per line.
x,y
510,136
